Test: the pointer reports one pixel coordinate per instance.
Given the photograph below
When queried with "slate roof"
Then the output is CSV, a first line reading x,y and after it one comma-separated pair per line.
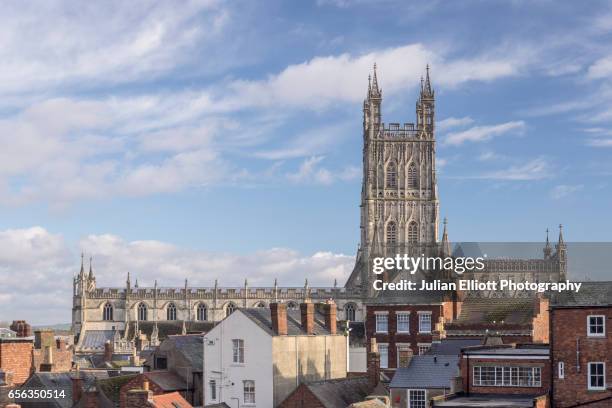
x,y
59,382
426,371
452,347
111,387
412,298
508,350
510,310
95,339
341,392
191,347
166,380
171,327
262,317
590,294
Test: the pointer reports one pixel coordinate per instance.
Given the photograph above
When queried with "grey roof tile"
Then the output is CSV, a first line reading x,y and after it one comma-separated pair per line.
x,y
427,371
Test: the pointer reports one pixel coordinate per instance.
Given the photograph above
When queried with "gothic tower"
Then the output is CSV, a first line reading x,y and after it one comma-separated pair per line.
x,y
399,201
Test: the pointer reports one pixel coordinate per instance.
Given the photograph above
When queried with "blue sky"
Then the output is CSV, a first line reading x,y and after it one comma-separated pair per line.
x,y
223,139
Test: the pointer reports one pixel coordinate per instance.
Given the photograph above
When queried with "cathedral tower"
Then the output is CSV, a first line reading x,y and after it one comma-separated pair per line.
x,y
399,202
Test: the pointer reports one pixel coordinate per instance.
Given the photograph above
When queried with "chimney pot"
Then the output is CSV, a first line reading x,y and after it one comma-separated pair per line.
x,y
330,312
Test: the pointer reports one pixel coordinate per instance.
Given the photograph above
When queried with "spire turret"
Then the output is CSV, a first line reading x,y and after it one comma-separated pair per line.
x,y
547,247
91,274
82,272
446,250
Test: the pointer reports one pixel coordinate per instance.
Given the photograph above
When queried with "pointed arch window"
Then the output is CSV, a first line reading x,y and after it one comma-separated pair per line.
x,y
413,232
142,312
229,309
107,312
412,176
291,306
171,312
260,304
349,312
391,175
391,233
202,312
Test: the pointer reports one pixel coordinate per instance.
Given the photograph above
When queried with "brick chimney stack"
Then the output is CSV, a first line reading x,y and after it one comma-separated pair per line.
x,y
330,310
77,387
22,328
373,364
108,351
139,398
307,315
278,312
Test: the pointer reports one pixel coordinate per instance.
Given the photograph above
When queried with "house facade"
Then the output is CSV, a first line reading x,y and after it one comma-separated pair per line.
x,y
581,343
257,356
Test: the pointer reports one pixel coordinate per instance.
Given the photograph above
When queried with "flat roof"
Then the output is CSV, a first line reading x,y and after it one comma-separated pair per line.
x,y
487,401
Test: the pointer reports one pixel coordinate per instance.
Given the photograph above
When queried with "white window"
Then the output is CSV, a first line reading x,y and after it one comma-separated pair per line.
x,y
403,322
391,233
412,176
382,323
383,350
596,326
391,175
561,370
503,376
424,348
417,399
249,392
425,323
597,376
213,389
413,233
238,351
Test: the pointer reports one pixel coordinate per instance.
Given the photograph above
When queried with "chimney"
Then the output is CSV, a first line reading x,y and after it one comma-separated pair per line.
x,y
405,356
91,398
77,388
108,351
278,311
330,310
307,314
22,328
61,344
373,365
139,398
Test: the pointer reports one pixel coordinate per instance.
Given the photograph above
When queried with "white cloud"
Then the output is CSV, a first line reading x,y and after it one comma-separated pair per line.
x,y
600,143
483,133
310,171
37,267
536,169
449,123
601,68
102,43
563,190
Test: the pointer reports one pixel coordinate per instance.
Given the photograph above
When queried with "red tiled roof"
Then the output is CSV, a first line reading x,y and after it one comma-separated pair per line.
x,y
171,400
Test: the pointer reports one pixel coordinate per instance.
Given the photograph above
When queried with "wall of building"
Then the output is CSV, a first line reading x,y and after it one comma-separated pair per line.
x,y
300,359
229,376
16,357
568,336
358,357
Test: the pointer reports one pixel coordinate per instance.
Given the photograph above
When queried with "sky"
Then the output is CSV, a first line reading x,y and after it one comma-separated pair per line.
x,y
211,139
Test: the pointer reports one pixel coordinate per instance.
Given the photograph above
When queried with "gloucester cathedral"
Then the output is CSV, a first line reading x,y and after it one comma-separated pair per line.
x,y
399,215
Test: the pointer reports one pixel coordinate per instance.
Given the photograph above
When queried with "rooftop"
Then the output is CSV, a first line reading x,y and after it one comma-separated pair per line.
x,y
262,317
590,294
171,400
427,371
452,347
487,401
341,392
510,350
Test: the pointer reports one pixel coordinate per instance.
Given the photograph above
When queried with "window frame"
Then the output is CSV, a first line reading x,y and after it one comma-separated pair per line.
x,y
408,398
561,370
603,326
377,328
212,387
108,312
517,376
202,312
171,312
603,375
250,392
407,321
238,351
383,346
142,307
421,314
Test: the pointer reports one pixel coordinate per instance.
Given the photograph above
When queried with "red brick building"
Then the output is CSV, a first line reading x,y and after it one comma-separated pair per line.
x,y
403,324
16,358
581,342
